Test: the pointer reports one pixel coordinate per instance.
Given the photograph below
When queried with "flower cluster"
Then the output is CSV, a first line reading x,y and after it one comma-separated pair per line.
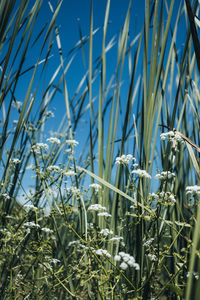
x,y
54,261
53,168
70,173
72,189
169,134
99,207
141,173
73,243
49,114
165,175
95,186
31,225
47,230
102,252
106,232
104,214
72,142
96,207
116,238
54,140
5,196
195,274
124,159
17,104
195,190
15,161
172,136
127,260
37,148
154,196
148,242
168,197
152,257
30,207
78,246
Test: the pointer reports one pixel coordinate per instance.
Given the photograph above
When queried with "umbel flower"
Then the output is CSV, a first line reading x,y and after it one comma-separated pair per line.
x,y
124,159
141,173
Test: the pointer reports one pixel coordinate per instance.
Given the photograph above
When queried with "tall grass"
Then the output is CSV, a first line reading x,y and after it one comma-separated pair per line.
x,y
96,223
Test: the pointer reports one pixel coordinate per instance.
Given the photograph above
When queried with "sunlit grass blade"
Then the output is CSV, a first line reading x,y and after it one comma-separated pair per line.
x,y
116,190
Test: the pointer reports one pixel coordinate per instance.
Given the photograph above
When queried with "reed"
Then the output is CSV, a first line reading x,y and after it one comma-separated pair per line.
x,y
113,214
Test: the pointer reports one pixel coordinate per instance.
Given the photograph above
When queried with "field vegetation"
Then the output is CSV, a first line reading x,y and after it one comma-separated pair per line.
x,y
112,213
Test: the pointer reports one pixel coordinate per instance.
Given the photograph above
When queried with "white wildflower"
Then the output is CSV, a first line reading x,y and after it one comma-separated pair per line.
x,y
17,104
117,257
194,189
72,189
123,266
162,194
53,140
5,196
106,232
30,167
124,159
102,252
195,274
79,169
172,198
116,238
104,214
69,150
164,175
53,168
178,138
96,207
141,173
16,161
167,134
172,135
152,257
148,242
31,225
54,260
72,142
128,260
5,232
30,206
135,166
70,173
90,225
125,256
39,147
73,243
47,230
154,196
95,186
131,262
136,266
49,114
167,196
83,246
